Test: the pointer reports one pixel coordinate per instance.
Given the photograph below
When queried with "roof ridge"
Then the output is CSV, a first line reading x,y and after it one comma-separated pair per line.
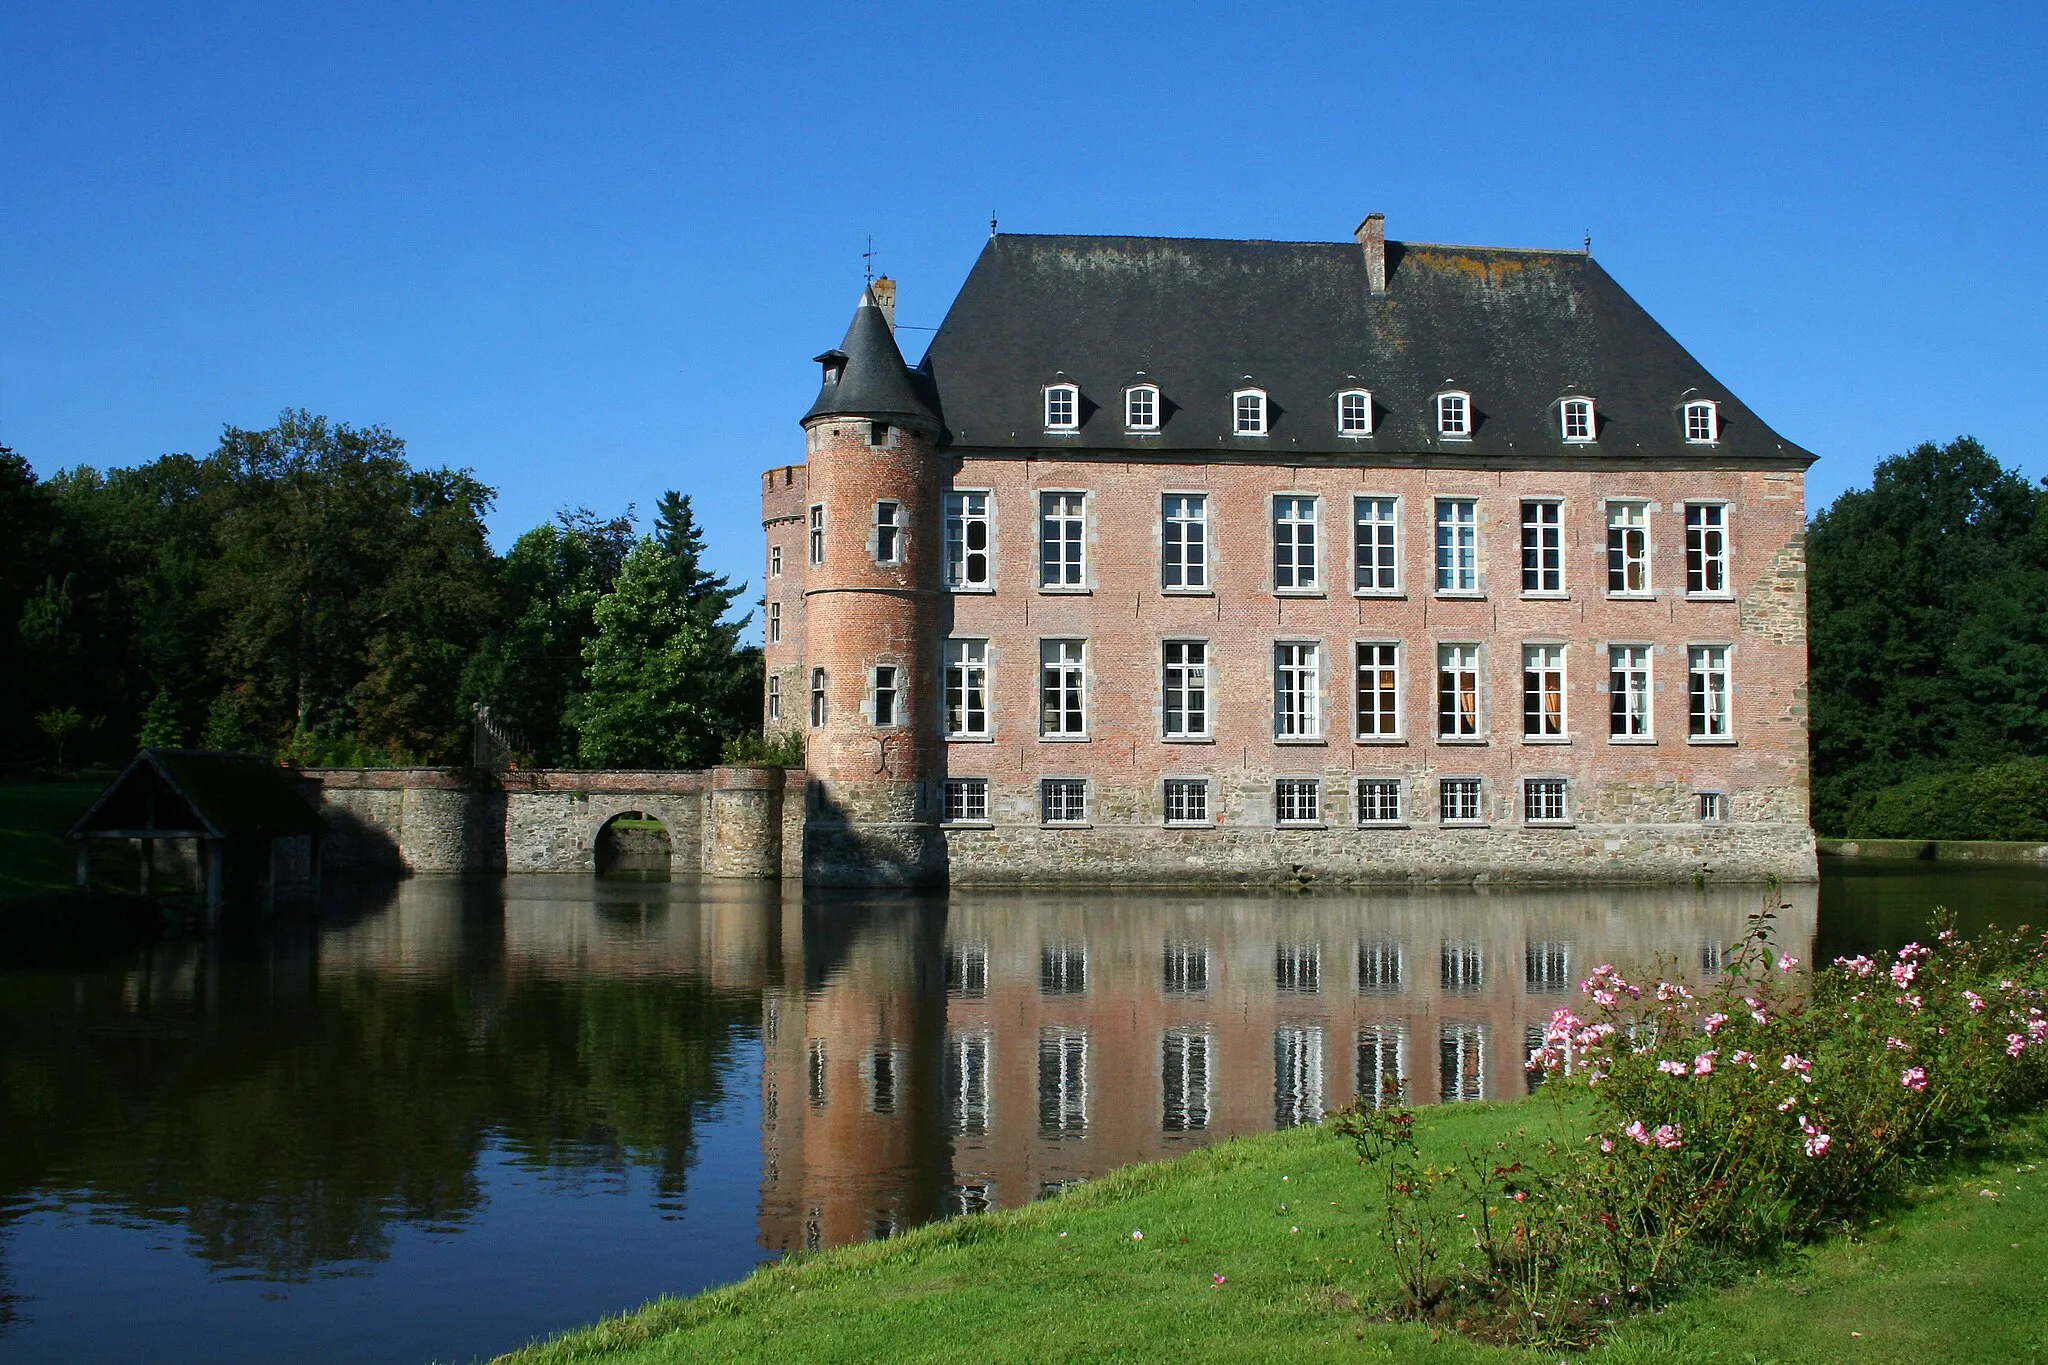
x,y
1294,241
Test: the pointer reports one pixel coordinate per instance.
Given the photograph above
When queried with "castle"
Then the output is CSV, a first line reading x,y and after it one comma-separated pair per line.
x,y
1190,561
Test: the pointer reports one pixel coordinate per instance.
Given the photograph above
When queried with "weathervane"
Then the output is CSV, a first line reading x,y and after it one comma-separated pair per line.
x,y
867,259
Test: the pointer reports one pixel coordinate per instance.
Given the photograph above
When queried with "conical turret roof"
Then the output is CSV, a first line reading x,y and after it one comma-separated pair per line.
x,y
873,380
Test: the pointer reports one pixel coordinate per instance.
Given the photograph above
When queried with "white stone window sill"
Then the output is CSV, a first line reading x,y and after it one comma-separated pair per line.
x,y
1712,741
1060,591
1460,595
1631,596
1468,824
1299,824
970,739
967,824
1639,741
1383,741
1546,597
973,589
1546,739
1384,824
1063,739
1310,741
1066,824
1381,594
1463,740
1299,592
1549,824
1710,597
1190,824
1187,592
1187,739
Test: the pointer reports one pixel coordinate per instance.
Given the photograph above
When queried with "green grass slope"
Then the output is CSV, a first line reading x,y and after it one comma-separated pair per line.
x,y
34,859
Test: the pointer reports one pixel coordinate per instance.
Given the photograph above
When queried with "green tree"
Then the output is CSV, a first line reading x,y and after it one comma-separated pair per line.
x,y
59,725
162,726
732,681
1929,637
650,673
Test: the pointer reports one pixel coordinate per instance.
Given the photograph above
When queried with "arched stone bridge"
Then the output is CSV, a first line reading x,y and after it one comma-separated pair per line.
x,y
723,821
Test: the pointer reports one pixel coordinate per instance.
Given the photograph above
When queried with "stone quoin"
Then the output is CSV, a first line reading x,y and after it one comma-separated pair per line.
x,y
1191,561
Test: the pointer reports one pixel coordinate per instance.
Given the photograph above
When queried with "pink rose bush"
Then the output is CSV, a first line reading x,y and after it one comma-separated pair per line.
x,y
1700,1125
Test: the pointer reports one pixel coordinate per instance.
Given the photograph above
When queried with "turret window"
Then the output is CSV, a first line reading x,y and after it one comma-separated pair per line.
x,y
1702,422
1062,407
817,697
1141,407
885,696
1354,413
775,623
1454,415
774,698
888,532
1575,419
1249,406
817,534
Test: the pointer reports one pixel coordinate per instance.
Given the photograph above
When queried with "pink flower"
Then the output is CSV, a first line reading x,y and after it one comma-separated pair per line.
x,y
1604,997
1899,1043
1976,1000
1903,972
1817,1142
1636,1134
1860,965
1794,1062
2015,1044
1744,1057
1786,962
1606,1144
1786,1107
1673,1068
1914,1078
1669,1137
1703,1064
2037,1030
1913,950
1911,1002
1713,1023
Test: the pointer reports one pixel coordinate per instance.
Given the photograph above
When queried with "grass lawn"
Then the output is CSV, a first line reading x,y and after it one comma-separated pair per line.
x,y
1285,1219
34,859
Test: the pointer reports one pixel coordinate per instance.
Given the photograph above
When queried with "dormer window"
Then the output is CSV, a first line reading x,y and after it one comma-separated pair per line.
x,y
1354,413
1575,419
1062,407
1702,422
1249,409
1141,407
1454,415
834,363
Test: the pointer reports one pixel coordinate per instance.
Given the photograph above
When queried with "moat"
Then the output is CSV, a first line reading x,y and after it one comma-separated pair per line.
x,y
450,1115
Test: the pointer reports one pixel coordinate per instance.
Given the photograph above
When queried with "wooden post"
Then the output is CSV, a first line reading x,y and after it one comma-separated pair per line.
x,y
148,847
212,850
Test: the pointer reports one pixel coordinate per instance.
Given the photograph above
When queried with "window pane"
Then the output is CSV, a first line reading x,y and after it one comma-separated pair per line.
x,y
1374,562
1457,545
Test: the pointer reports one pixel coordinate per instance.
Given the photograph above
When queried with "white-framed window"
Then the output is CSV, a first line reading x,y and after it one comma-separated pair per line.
x,y
1298,801
1461,964
969,563
1062,536
1542,546
817,697
1062,407
1248,412
1628,548
967,965
1543,691
888,532
1063,968
1183,968
1376,553
1379,690
1187,800
1575,419
775,561
817,533
1297,1075
1706,549
1184,1070
1457,545
1546,966
1628,692
1458,801
1298,966
1707,685
1544,800
886,695
1457,691
774,697
1062,688
1454,415
1062,1082
1354,413
1141,407
1382,1065
1294,544
966,689
1461,1063
1297,690
1380,966
817,1072
1702,422
1713,807
1063,800
775,623
966,801
1184,542
1184,685
1379,800
968,1068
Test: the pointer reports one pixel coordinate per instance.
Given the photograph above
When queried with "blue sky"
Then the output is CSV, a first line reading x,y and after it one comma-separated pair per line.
x,y
589,251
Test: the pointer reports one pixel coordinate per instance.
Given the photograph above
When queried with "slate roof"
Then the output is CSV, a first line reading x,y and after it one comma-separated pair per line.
x,y
233,796
874,381
1517,329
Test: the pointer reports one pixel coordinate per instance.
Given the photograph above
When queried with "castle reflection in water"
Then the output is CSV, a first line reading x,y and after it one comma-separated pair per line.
x,y
925,1058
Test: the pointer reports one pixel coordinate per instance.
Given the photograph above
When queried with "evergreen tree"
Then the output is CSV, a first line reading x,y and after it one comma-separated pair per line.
x,y
650,673
733,681
162,726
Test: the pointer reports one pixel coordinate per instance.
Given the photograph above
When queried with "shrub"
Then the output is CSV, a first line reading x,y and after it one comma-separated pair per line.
x,y
783,749
2005,801
1727,1122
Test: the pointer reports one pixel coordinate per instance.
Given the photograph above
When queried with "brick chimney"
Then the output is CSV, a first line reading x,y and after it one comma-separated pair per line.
x,y
1372,236
885,298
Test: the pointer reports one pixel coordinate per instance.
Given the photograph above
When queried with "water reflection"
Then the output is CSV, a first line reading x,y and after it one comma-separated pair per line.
x,y
329,1099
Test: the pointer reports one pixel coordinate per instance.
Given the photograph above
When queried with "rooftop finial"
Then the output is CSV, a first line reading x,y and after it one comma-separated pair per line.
x,y
867,260
1589,241
991,222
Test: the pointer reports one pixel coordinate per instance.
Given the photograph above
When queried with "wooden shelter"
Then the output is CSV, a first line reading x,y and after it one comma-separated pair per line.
x,y
233,809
